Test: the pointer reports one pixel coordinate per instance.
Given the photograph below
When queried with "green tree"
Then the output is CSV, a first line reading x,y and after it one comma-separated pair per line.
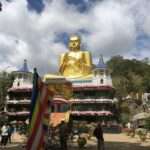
x,y
146,83
147,124
130,77
6,80
124,118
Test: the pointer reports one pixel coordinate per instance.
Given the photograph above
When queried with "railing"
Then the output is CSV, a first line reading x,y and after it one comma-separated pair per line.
x,y
25,101
18,113
91,100
92,113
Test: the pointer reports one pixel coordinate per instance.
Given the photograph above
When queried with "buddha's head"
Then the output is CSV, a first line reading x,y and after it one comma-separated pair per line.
x,y
74,43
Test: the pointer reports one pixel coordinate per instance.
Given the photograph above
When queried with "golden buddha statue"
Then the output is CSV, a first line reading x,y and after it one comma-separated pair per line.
x,y
75,63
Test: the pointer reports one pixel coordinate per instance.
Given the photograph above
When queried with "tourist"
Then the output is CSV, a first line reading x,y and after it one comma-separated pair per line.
x,y
129,125
63,135
4,134
10,131
98,133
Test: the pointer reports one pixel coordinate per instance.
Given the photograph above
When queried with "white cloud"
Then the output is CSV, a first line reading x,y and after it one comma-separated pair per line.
x,y
112,29
111,26
146,25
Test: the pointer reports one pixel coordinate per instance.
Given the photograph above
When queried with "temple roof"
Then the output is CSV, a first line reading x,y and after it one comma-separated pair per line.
x,y
101,64
24,67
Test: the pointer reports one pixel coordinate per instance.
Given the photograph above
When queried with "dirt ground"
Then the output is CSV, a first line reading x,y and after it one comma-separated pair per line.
x,y
117,142
112,142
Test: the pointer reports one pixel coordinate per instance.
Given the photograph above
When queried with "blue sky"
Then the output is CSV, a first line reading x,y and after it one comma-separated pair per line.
x,y
81,5
42,29
36,5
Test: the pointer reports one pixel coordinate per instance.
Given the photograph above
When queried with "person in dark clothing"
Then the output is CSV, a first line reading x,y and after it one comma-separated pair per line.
x,y
63,135
10,131
98,133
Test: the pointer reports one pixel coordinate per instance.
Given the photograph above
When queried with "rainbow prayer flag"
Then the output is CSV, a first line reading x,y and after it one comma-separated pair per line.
x,y
39,105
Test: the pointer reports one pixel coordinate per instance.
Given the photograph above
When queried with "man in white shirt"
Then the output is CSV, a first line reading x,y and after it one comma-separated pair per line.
x,y
4,134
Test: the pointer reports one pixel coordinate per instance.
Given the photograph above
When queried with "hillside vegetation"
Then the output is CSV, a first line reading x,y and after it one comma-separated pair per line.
x,y
130,78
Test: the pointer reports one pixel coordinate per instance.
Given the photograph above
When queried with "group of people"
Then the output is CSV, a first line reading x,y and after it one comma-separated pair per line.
x,y
6,132
63,136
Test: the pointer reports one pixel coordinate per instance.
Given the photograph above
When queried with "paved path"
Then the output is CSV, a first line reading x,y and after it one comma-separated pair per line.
x,y
112,142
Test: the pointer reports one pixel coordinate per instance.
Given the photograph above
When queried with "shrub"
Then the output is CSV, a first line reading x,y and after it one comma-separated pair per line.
x,y
132,133
81,142
142,134
147,123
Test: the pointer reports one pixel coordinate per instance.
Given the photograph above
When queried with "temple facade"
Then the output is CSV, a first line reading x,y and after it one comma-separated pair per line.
x,y
92,90
19,95
93,99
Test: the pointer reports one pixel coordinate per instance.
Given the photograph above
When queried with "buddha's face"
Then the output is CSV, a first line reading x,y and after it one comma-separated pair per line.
x,y
74,43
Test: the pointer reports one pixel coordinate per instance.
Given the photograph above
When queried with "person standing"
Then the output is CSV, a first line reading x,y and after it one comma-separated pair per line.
x,y
4,134
63,135
129,125
10,131
98,133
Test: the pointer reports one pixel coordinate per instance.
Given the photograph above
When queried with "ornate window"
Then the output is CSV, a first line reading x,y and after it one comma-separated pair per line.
x,y
101,81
